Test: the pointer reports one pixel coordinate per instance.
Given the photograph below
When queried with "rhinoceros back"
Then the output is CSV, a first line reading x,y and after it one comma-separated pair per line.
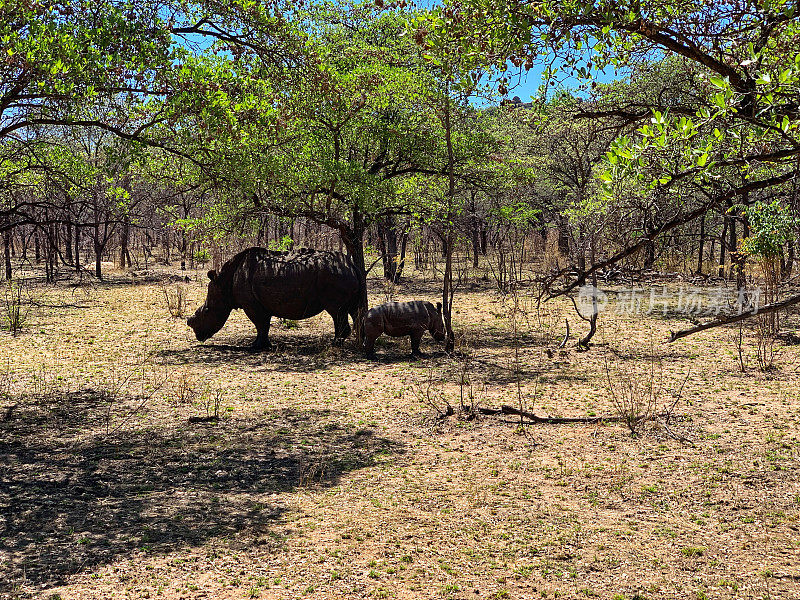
x,y
292,285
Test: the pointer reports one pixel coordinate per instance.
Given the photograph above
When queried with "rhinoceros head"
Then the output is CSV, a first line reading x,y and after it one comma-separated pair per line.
x,y
209,318
436,324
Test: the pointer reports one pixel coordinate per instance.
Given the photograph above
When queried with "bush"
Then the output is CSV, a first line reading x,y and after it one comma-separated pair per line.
x,y
176,300
634,396
16,305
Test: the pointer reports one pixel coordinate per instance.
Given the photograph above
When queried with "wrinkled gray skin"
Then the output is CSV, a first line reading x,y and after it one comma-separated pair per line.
x,y
289,285
397,319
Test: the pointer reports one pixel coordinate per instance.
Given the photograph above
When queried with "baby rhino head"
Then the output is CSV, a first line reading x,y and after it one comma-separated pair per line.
x,y
436,326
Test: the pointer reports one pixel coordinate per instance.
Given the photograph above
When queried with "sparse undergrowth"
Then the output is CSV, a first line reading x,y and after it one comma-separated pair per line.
x,y
141,460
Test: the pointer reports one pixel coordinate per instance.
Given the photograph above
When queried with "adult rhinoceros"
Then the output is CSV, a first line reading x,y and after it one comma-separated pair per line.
x,y
291,285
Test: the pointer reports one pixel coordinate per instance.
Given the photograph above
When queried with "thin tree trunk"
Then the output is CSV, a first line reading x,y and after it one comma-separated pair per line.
x,y
98,252
702,244
123,245
7,252
403,245
584,341
353,239
387,237
732,247
722,243
476,246
789,265
448,292
77,249
68,242
449,237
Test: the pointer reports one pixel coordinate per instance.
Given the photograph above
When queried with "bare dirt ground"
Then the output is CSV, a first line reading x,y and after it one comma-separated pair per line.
x,y
329,476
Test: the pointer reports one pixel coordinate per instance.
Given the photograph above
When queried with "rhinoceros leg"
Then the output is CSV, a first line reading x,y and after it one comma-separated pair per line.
x,y
261,321
262,338
371,333
341,327
416,337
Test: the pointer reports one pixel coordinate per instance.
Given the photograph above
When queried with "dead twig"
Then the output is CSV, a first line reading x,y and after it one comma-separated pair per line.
x,y
533,418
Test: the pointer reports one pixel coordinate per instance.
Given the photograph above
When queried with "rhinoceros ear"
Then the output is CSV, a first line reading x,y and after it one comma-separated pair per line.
x,y
439,307
212,274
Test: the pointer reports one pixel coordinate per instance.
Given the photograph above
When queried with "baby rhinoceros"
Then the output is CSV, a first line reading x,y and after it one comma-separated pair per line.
x,y
397,319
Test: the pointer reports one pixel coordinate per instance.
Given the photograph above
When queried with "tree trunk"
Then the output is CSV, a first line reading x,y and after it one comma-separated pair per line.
x,y
403,245
123,245
449,237
474,232
7,252
732,247
722,244
98,252
476,246
387,237
166,247
68,242
77,249
702,243
581,250
353,239
788,266
584,341
650,249
563,238
448,292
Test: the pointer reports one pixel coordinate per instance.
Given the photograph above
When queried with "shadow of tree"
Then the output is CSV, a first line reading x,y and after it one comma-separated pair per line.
x,y
72,498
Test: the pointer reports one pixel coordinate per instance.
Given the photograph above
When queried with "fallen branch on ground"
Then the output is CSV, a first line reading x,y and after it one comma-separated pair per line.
x,y
791,300
533,419
510,410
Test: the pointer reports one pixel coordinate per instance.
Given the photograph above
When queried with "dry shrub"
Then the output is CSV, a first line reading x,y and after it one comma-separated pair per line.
x,y
768,324
314,468
389,290
635,393
16,305
184,390
211,401
767,349
128,389
176,300
430,394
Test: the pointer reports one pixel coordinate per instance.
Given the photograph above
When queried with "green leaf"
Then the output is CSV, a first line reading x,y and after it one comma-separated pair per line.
x,y
719,82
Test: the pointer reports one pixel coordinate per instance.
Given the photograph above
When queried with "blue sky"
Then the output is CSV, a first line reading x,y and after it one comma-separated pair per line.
x,y
526,84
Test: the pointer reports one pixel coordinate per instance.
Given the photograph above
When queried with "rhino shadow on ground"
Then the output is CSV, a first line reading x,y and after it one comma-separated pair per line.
x,y
73,498
296,353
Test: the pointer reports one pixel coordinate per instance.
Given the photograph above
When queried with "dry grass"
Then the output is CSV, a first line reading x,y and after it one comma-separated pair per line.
x,y
325,477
